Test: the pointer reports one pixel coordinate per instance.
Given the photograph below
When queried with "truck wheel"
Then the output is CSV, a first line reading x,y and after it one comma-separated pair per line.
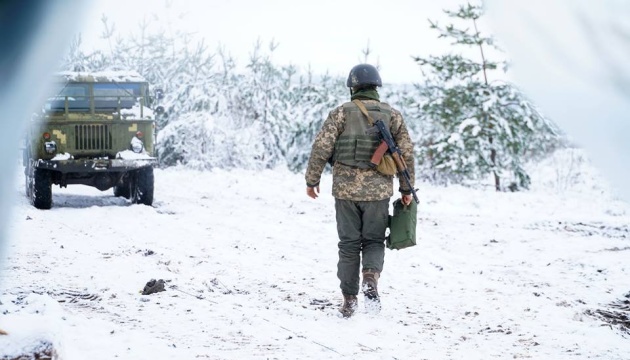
x,y
123,189
143,189
28,180
41,191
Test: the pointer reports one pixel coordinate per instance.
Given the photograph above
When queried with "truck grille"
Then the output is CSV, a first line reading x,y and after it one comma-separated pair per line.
x,y
92,137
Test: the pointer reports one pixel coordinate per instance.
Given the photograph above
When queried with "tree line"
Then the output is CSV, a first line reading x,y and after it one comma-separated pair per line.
x,y
465,124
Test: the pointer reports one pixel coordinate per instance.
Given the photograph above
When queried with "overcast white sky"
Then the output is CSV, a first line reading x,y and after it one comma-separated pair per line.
x,y
327,34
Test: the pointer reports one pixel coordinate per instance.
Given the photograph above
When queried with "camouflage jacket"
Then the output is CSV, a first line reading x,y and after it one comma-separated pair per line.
x,y
355,184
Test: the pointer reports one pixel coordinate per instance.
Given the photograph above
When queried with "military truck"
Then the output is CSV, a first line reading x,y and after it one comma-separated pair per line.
x,y
96,129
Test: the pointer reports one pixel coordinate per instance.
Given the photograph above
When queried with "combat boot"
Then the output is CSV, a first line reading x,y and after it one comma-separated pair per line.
x,y
370,291
349,306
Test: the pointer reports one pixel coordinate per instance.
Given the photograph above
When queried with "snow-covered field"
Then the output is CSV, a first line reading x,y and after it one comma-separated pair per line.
x,y
250,268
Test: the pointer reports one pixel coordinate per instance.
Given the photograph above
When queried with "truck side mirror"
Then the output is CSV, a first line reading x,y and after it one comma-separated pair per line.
x,y
159,93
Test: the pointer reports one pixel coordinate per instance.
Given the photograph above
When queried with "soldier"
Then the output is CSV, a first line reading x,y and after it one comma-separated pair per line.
x,y
361,192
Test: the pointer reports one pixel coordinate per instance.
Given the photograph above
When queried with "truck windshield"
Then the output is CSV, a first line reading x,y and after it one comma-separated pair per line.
x,y
107,96
112,91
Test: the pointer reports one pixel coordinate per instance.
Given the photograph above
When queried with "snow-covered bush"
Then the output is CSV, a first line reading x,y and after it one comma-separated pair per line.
x,y
265,115
261,116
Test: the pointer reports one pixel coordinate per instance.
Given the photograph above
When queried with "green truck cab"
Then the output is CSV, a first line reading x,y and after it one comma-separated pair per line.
x,y
96,129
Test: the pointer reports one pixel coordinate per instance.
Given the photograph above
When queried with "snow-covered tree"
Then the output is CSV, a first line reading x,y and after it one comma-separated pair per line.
x,y
262,115
311,101
472,126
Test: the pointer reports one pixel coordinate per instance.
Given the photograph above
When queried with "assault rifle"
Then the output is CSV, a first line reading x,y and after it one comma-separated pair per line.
x,y
388,144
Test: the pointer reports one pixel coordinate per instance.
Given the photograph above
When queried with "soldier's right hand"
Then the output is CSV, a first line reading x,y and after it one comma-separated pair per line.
x,y
312,192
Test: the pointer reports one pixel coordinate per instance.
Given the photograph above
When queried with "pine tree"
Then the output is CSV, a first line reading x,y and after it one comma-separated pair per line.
x,y
473,126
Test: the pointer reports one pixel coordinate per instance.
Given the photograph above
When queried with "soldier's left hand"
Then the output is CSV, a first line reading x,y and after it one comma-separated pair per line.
x,y
406,199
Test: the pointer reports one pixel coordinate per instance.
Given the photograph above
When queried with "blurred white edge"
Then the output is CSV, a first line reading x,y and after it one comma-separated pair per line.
x,y
45,45
572,59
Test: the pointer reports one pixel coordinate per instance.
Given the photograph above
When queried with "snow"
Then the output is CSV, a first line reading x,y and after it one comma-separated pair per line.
x,y
137,112
470,122
455,138
250,268
136,145
107,76
39,320
62,156
130,155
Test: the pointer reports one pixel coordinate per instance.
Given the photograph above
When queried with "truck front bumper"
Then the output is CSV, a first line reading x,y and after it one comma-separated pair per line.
x,y
94,165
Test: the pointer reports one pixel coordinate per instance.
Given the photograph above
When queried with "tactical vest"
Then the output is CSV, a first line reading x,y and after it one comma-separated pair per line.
x,y
355,148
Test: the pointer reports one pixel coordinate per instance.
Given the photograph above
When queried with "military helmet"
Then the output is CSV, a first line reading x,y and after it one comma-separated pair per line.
x,y
363,75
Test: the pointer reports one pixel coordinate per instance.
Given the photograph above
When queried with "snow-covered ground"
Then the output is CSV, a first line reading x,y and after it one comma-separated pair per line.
x,y
250,268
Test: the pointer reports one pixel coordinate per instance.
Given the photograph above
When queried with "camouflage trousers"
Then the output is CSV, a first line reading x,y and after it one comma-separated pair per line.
x,y
361,227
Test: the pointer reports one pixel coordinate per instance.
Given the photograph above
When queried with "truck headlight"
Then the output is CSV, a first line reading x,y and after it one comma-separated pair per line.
x,y
50,147
137,145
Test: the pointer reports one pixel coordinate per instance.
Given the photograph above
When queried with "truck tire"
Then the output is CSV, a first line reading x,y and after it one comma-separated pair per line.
x,y
143,189
28,180
123,189
41,192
